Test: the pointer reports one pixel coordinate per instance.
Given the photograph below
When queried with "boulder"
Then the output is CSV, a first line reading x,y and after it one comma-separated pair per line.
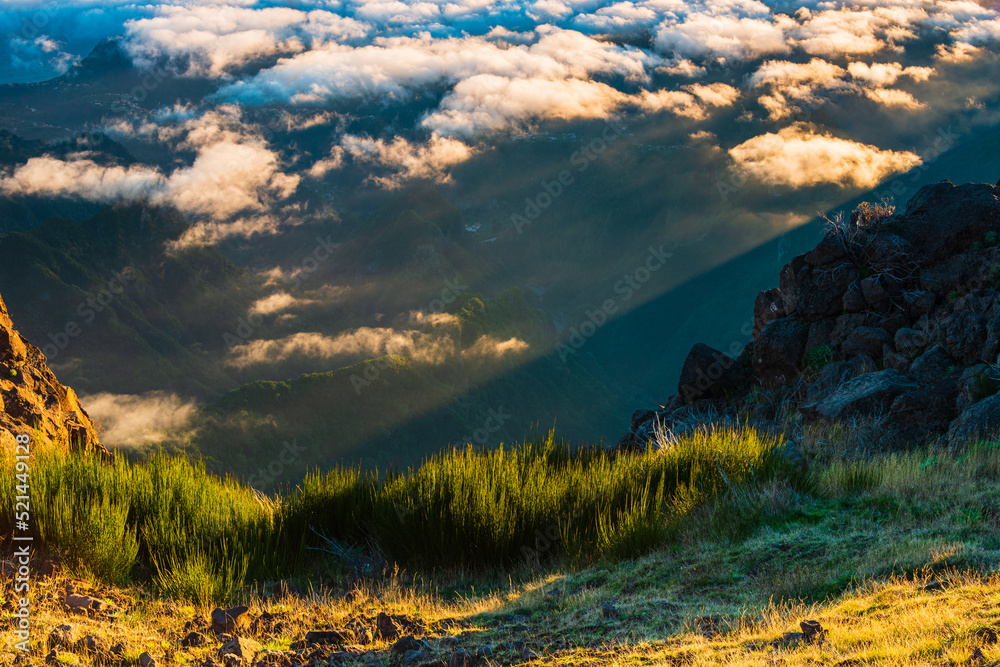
x,y
228,621
854,298
866,340
909,341
845,325
964,332
819,333
922,412
981,420
942,219
931,366
778,351
875,293
708,373
835,374
864,395
32,401
829,251
895,360
242,647
919,302
815,292
768,306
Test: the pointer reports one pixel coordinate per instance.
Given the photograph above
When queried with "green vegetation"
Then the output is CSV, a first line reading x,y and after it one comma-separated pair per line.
x,y
196,536
818,357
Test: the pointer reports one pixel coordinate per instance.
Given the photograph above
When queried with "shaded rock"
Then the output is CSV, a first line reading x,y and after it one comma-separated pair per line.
x,y
835,374
931,366
919,302
708,373
866,340
387,628
193,639
819,333
895,360
229,620
844,326
767,307
330,637
909,341
461,659
146,660
813,631
815,292
404,644
854,298
484,651
32,401
63,636
981,420
778,351
942,219
640,417
609,610
923,411
828,251
870,393
875,293
93,644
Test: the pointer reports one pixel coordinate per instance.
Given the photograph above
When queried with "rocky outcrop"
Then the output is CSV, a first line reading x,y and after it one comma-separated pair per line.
x,y
894,314
33,402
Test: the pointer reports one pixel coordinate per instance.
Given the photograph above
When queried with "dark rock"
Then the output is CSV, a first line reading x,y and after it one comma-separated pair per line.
x,y
866,340
854,298
63,636
330,637
963,333
981,420
876,295
93,644
484,651
894,322
844,326
146,660
767,307
229,620
920,413
919,302
895,360
867,394
193,639
387,628
404,644
819,333
931,366
815,292
909,341
708,373
609,610
835,374
942,219
814,632
462,659
778,351
829,251
640,417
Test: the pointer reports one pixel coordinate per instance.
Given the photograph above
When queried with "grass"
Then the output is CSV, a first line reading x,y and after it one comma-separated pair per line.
x,y
194,536
895,554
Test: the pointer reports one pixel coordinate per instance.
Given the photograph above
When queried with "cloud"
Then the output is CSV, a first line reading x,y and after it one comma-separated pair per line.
x,y
132,420
490,348
362,343
407,160
233,172
798,156
210,40
85,179
703,36
277,303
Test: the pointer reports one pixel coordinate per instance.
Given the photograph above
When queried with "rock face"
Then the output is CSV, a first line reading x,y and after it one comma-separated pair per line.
x,y
33,402
894,315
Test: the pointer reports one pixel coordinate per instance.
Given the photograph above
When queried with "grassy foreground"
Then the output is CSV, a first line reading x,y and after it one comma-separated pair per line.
x,y
896,556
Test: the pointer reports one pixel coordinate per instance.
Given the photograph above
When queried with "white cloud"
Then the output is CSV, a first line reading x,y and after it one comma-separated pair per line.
x,y
798,156
131,420
407,160
49,176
